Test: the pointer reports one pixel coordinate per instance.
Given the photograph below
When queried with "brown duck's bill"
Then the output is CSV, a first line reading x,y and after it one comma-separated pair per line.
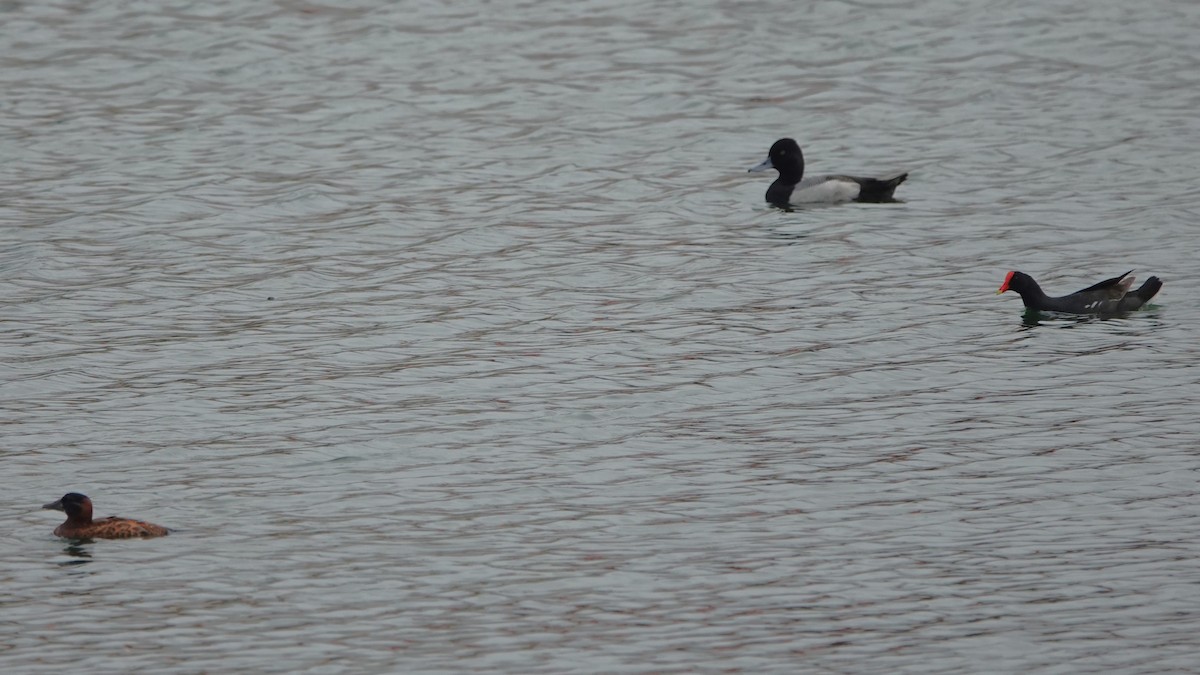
x,y
54,506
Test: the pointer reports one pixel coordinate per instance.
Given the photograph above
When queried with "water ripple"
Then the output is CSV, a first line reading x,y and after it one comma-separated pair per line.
x,y
458,339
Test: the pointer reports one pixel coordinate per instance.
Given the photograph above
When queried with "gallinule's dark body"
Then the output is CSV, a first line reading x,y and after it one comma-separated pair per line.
x,y
793,188
1111,296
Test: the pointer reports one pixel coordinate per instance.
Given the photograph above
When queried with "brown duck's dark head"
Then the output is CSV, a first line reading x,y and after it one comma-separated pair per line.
x,y
77,507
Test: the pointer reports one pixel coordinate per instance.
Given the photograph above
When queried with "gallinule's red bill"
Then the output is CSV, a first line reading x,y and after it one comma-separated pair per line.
x,y
1110,296
792,188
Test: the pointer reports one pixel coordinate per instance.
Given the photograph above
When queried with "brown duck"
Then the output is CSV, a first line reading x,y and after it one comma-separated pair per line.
x,y
80,525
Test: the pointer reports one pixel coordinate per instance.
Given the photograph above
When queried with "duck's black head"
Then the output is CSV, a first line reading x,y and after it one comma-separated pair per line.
x,y
786,158
73,503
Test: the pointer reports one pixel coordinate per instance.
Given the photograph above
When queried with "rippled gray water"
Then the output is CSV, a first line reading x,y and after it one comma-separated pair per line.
x,y
456,338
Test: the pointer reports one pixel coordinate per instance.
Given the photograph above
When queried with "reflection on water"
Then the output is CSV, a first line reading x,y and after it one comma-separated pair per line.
x,y
790,236
1032,318
77,550
546,387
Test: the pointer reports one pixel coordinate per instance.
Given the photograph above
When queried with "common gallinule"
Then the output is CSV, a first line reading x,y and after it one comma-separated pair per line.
x,y
792,188
1110,296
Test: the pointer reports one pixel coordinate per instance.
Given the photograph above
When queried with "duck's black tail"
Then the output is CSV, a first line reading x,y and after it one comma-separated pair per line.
x,y
879,189
1142,295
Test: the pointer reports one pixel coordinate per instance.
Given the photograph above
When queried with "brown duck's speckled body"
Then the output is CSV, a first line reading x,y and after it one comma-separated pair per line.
x,y
80,525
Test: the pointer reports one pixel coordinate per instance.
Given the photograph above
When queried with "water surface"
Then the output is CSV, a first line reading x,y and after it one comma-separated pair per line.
x,y
456,338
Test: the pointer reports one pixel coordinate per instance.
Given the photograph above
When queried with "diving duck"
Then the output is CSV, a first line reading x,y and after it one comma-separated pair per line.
x,y
80,525
793,188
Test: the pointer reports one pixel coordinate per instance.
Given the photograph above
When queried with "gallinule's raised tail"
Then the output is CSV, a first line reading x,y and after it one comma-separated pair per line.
x,y
1111,296
792,188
